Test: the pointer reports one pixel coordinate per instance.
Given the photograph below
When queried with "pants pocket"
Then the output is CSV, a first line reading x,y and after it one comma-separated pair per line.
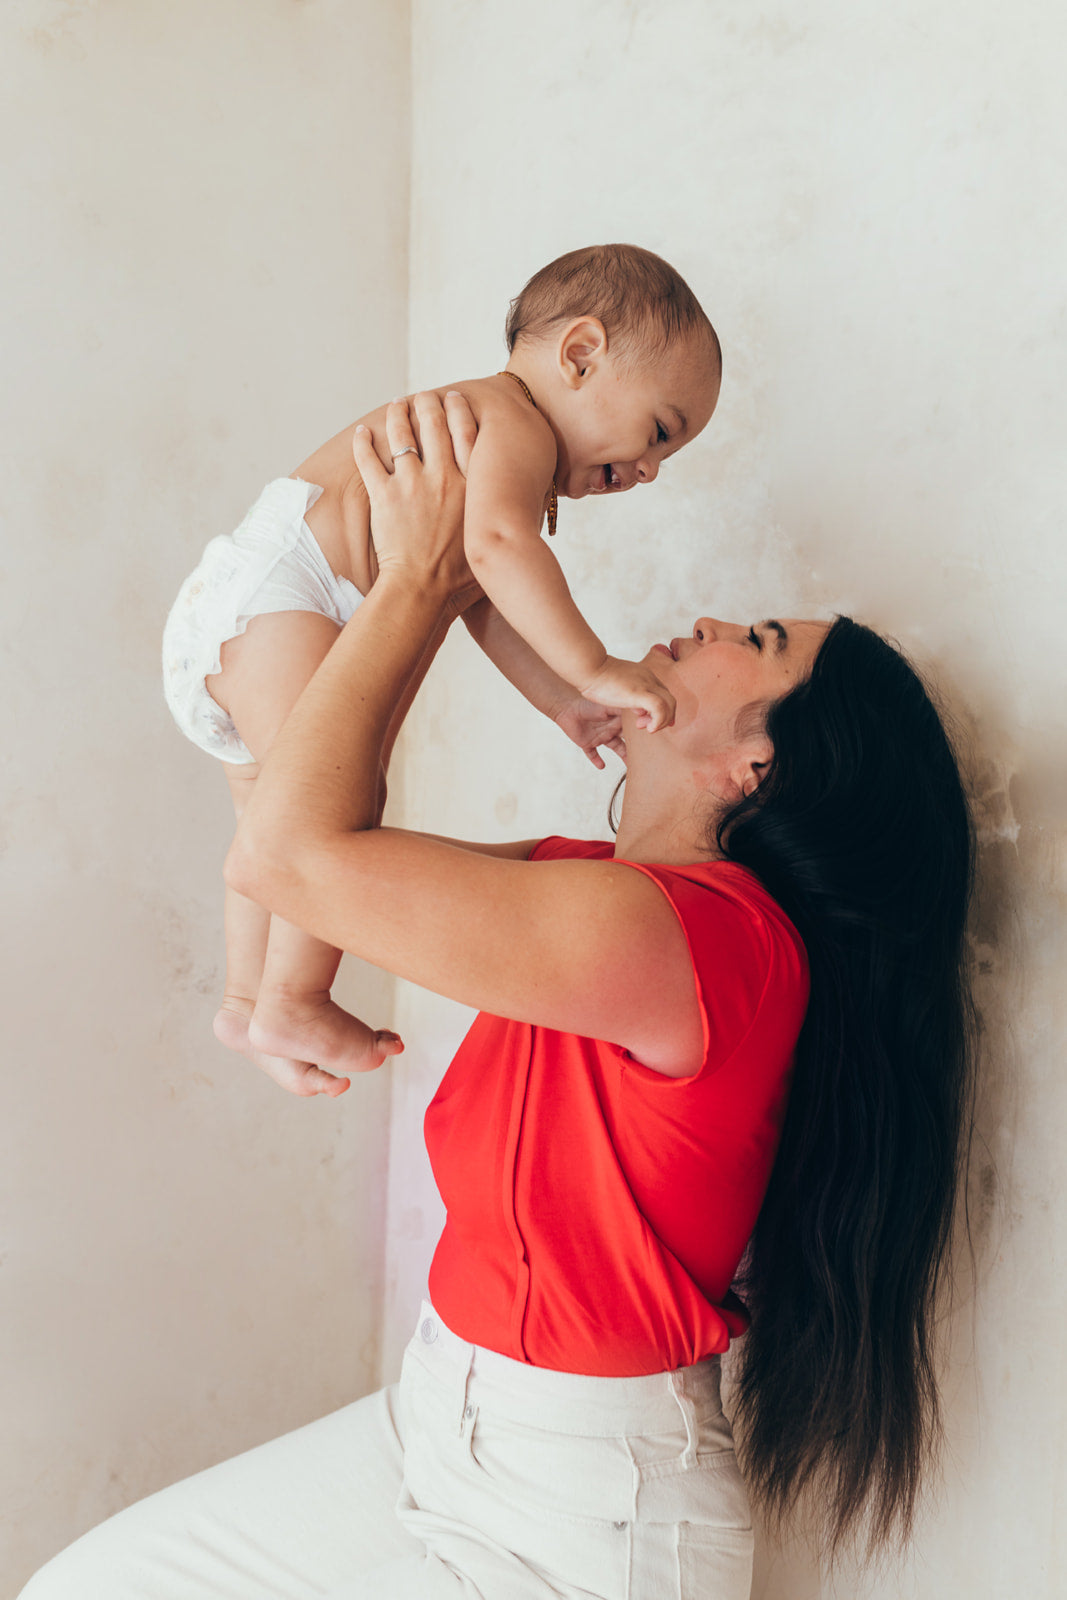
x,y
714,1563
702,1511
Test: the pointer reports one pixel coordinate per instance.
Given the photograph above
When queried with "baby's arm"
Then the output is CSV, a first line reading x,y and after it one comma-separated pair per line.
x,y
510,471
589,725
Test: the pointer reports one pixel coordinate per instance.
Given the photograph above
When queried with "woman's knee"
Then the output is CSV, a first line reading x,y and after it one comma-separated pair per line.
x,y
66,1577
104,1564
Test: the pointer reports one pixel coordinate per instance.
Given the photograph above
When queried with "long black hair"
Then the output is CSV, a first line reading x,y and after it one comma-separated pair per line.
x,y
862,833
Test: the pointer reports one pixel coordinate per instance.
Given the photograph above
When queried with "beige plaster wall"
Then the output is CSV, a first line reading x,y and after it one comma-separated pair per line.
x,y
869,201
192,299
207,272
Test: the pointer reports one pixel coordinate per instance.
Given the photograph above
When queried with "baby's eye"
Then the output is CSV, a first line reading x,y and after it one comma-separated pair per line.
x,y
754,638
661,434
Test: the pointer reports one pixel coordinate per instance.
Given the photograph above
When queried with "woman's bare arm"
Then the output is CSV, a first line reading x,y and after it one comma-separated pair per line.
x,y
589,725
588,947
507,850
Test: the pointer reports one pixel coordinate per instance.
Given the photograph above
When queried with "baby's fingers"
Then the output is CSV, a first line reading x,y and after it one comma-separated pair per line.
x,y
657,712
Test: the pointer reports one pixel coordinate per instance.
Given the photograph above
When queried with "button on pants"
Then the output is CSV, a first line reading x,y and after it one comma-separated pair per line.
x,y
475,1478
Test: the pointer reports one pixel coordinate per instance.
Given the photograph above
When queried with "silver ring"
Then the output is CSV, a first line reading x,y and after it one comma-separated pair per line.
x,y
409,449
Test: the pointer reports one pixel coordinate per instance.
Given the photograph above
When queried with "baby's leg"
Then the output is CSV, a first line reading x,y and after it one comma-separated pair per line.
x,y
247,931
293,1023
264,671
295,1017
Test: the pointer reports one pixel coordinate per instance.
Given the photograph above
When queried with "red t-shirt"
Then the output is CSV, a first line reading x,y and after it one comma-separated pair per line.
x,y
597,1210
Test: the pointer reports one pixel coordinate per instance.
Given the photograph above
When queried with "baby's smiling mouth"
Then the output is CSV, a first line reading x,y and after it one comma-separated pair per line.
x,y
611,477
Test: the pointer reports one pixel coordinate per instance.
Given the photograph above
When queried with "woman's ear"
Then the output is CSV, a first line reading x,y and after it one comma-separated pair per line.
x,y
754,778
582,345
751,765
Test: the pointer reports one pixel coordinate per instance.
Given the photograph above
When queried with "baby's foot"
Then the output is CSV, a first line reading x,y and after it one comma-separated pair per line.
x,y
312,1028
298,1077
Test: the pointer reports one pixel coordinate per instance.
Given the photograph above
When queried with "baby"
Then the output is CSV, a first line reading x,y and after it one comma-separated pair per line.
x,y
613,367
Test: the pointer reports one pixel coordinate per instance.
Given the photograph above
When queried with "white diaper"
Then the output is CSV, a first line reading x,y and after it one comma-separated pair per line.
x,y
270,563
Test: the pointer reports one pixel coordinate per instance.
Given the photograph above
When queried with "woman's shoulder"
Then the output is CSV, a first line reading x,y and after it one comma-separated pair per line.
x,y
720,895
727,877
723,907
707,896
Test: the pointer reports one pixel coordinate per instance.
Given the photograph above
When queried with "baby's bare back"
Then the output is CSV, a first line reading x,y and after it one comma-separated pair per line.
x,y
340,518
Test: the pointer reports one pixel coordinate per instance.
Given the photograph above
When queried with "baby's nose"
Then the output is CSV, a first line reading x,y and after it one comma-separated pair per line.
x,y
647,469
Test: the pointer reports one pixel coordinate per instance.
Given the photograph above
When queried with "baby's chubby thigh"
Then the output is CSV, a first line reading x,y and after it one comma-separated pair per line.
x,y
263,671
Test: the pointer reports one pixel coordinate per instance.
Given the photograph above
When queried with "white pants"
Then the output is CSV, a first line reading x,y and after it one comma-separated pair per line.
x,y
475,1478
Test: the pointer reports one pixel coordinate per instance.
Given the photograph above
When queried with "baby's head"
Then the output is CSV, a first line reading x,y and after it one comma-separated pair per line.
x,y
624,361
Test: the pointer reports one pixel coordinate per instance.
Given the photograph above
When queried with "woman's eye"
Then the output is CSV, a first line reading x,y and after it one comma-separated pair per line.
x,y
754,638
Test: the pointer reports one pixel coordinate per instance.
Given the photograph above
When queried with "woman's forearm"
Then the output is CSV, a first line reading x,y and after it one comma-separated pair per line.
x,y
516,660
318,789
322,774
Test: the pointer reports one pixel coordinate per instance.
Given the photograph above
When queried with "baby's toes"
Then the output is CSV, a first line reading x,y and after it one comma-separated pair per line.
x,y
320,1082
230,1028
296,1077
386,1044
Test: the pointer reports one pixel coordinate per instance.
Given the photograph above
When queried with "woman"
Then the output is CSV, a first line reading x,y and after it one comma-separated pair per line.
x,y
604,1139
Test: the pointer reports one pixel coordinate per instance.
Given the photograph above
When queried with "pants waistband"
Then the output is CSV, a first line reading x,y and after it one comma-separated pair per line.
x,y
567,1401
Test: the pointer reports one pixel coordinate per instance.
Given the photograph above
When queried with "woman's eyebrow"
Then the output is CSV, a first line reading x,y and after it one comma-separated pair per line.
x,y
783,637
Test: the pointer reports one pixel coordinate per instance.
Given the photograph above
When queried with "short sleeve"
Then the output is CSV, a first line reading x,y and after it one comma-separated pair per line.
x,y
749,964
557,848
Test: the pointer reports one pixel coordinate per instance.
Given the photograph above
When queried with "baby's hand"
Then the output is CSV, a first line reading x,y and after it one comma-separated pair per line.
x,y
591,725
632,687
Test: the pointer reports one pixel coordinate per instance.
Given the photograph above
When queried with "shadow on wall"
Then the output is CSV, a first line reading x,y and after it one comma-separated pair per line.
x,y
998,940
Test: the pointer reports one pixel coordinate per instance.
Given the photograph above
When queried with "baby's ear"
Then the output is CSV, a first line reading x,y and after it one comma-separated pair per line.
x,y
583,343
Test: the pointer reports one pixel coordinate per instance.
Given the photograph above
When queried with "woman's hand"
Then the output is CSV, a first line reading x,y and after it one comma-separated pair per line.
x,y
417,507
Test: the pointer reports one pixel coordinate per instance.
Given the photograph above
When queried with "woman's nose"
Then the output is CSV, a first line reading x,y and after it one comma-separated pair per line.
x,y
647,469
704,630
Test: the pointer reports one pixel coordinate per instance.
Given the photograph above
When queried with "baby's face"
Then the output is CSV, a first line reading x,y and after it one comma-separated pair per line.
x,y
623,423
